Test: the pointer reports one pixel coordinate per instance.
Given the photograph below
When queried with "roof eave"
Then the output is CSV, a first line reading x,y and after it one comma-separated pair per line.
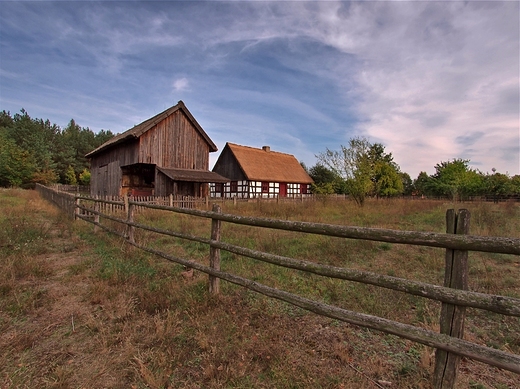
x,y
150,123
107,145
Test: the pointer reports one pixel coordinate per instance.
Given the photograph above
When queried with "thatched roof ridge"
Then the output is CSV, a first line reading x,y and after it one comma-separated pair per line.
x,y
138,130
266,165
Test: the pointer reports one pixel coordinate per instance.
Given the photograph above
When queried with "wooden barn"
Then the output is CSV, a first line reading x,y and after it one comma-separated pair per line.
x,y
259,173
166,154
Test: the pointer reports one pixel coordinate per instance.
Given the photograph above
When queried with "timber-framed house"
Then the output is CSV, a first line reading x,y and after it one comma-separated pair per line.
x,y
259,172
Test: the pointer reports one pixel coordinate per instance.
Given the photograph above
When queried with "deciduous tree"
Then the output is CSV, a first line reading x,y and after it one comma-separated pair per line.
x,y
366,168
455,179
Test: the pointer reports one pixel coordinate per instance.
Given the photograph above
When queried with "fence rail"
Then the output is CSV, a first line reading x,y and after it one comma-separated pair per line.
x,y
453,296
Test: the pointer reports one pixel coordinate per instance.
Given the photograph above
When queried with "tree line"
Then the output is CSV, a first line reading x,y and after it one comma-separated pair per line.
x,y
363,169
36,151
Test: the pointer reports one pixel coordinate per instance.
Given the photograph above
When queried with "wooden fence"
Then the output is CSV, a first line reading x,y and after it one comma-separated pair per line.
x,y
454,295
64,200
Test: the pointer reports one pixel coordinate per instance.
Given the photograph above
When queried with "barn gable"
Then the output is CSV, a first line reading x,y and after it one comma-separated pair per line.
x,y
259,172
130,162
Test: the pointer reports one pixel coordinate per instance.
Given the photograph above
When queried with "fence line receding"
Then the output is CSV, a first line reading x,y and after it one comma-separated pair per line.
x,y
453,295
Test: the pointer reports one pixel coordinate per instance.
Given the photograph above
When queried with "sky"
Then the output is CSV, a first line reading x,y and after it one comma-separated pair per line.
x,y
432,81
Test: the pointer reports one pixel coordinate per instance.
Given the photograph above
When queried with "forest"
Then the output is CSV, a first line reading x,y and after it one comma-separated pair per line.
x,y
37,151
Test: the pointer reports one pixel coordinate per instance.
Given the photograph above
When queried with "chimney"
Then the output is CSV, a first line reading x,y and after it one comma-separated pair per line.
x,y
266,148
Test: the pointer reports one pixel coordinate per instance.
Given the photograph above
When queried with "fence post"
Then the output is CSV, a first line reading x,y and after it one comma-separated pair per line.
x,y
96,216
214,253
452,316
76,208
129,208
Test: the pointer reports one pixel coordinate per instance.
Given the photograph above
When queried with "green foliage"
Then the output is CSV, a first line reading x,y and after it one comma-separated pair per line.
x,y
421,184
366,168
515,185
70,176
387,180
16,165
36,151
84,177
45,177
455,179
407,184
326,181
498,184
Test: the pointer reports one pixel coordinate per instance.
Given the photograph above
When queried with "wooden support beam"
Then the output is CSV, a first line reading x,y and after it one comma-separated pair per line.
x,y
452,316
214,253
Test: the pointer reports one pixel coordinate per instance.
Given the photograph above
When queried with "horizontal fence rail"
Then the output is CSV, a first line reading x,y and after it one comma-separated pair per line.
x,y
498,304
94,210
431,239
461,347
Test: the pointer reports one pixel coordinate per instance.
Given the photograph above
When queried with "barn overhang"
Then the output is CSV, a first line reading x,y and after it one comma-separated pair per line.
x,y
190,175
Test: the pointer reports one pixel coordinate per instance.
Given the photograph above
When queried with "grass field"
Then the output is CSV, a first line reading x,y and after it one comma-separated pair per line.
x,y
79,310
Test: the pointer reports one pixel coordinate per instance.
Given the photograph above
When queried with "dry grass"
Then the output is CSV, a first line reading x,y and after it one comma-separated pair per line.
x,y
78,310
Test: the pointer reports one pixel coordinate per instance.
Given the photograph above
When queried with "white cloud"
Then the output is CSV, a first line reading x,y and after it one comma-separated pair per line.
x,y
180,84
432,72
430,80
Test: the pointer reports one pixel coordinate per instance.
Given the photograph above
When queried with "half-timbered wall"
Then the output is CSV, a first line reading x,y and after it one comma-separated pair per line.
x,y
255,189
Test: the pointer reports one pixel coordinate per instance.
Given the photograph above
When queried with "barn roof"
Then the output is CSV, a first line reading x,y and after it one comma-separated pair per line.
x,y
192,175
266,165
136,131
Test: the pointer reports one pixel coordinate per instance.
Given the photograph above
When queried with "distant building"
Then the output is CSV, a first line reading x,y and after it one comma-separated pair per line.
x,y
166,154
254,172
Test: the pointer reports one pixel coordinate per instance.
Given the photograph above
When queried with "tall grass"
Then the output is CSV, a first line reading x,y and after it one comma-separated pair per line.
x,y
154,324
26,226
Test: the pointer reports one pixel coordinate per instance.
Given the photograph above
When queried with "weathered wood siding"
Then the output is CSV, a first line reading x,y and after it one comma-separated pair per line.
x,y
105,168
164,185
227,166
174,142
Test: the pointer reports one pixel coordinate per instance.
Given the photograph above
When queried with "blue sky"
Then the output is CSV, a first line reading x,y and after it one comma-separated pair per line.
x,y
432,81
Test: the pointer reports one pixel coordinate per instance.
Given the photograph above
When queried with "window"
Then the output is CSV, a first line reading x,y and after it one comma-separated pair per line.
x,y
234,186
265,187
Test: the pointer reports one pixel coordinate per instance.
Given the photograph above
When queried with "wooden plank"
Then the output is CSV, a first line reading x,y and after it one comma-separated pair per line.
x,y
445,342
452,316
499,304
431,239
96,217
214,253
461,347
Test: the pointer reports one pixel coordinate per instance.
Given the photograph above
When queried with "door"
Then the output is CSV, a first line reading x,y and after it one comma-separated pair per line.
x,y
283,189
